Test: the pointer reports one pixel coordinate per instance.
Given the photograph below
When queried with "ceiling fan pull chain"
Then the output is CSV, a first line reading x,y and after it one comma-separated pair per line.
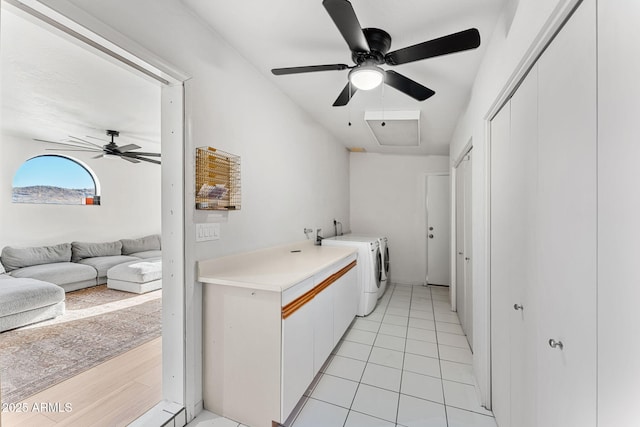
x,y
349,107
382,99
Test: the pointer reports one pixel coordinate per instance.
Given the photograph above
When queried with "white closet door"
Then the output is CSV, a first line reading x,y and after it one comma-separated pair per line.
x,y
522,235
468,260
567,224
618,213
500,261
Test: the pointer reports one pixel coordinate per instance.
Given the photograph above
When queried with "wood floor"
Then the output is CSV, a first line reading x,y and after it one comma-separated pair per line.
x,y
111,394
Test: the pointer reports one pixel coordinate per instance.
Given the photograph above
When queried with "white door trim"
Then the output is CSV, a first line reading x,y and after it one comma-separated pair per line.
x,y
426,175
557,18
178,376
454,234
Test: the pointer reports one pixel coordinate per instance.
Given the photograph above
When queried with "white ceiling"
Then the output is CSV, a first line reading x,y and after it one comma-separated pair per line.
x,y
53,87
287,33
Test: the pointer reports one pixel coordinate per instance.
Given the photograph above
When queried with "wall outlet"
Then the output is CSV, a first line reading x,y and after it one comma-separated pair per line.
x,y
207,231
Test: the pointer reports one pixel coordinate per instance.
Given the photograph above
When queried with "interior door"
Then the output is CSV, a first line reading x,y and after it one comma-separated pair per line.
x,y
464,291
438,230
522,233
468,278
460,248
567,218
500,264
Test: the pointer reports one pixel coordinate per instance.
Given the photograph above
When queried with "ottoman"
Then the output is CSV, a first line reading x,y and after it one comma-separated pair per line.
x,y
138,276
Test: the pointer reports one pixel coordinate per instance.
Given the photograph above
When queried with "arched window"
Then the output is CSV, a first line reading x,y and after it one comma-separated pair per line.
x,y
55,179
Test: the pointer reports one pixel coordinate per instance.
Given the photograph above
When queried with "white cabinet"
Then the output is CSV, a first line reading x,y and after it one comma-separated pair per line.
x,y
543,237
345,302
297,353
263,347
323,312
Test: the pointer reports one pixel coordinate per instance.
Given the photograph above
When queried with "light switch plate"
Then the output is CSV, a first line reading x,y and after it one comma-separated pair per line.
x,y
207,231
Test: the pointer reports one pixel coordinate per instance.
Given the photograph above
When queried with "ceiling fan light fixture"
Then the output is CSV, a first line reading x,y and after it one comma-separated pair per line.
x,y
366,77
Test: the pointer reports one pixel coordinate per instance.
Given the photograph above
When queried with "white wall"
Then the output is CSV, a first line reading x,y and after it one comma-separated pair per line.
x,y
294,173
130,197
388,198
508,47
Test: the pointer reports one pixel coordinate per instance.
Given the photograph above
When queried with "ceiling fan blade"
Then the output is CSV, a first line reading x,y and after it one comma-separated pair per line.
x,y
157,162
140,153
407,86
130,159
345,96
62,143
99,139
309,69
457,42
128,147
136,156
99,156
346,20
74,149
80,140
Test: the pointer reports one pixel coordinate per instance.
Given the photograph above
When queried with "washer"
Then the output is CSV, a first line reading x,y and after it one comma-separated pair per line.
x,y
384,254
369,267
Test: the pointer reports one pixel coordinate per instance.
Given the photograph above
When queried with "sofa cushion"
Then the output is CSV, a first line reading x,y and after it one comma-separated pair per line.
x,y
14,258
59,273
140,271
5,276
21,295
2,270
103,263
147,254
81,250
147,243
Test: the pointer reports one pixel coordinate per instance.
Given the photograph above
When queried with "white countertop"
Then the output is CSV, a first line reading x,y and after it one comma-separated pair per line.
x,y
272,269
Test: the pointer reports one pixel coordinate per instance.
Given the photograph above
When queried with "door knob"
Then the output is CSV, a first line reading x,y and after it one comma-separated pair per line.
x,y
467,258
430,228
431,236
556,344
459,253
517,307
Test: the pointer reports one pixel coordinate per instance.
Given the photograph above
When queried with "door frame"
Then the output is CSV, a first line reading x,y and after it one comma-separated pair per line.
x,y
177,375
426,221
454,232
557,18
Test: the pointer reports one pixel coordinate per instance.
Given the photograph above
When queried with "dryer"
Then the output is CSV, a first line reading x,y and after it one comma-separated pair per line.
x,y
384,254
369,267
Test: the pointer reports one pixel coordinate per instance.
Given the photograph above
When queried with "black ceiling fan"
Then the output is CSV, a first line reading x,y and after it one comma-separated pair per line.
x,y
125,152
370,48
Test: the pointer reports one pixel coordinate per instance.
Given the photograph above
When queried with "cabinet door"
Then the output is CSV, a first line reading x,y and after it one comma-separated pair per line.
x,y
345,303
322,327
297,356
523,284
567,223
501,247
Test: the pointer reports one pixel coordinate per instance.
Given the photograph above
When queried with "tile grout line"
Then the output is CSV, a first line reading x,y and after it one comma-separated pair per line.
x,y
365,365
435,323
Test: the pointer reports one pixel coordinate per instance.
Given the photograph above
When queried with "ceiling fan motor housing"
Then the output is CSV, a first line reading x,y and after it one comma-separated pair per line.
x,y
379,44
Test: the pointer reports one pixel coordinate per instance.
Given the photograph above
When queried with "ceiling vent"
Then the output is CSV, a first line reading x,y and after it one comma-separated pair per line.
x,y
394,128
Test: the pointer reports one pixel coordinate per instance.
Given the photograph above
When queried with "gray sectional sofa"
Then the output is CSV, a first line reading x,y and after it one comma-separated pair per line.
x,y
33,281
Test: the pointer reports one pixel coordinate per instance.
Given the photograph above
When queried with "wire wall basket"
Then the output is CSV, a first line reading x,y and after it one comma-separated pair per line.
x,y
217,180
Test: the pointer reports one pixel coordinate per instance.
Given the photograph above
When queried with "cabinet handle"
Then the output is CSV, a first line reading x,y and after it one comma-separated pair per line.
x,y
556,344
517,307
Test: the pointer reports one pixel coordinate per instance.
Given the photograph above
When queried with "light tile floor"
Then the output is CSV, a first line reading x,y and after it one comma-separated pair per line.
x,y
407,364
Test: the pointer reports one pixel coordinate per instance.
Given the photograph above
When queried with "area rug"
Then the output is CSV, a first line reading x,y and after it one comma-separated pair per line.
x,y
99,324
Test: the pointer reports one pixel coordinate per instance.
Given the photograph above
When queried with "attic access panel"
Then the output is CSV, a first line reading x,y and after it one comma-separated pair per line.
x,y
401,128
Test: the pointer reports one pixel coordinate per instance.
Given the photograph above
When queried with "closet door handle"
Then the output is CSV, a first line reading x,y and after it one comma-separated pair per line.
x,y
517,307
556,344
